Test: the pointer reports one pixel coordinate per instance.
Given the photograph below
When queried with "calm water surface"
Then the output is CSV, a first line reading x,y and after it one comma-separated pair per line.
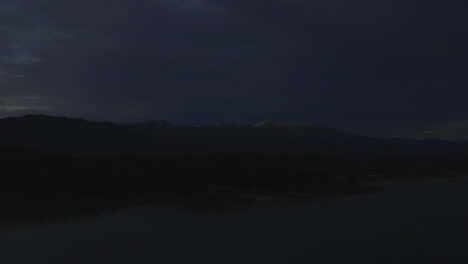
x,y
413,221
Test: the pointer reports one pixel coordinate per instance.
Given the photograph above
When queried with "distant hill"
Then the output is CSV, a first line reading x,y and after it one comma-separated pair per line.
x,y
67,136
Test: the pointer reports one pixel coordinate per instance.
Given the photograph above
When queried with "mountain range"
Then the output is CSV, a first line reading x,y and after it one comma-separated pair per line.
x,y
70,136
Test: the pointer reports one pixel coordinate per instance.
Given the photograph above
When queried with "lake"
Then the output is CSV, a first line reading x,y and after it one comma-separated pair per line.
x,y
412,221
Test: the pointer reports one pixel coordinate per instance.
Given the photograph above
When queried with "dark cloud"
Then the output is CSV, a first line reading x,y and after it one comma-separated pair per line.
x,y
374,67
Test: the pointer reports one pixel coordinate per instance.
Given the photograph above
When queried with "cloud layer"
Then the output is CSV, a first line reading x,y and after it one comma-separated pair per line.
x,y
374,67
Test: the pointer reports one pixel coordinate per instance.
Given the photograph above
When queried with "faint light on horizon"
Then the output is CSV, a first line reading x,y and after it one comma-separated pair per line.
x,y
11,104
450,131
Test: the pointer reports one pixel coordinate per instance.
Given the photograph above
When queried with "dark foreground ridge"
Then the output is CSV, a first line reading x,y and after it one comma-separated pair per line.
x,y
35,185
224,179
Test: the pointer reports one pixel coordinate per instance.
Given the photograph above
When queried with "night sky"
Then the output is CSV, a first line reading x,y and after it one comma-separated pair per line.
x,y
373,67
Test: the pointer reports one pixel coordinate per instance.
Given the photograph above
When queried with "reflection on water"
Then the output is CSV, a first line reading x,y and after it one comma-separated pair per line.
x,y
414,221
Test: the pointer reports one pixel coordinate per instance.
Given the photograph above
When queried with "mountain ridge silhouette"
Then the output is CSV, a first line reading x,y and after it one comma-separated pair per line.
x,y
77,136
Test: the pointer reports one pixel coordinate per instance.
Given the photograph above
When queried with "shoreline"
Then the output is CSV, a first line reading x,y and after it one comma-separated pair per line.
x,y
42,186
